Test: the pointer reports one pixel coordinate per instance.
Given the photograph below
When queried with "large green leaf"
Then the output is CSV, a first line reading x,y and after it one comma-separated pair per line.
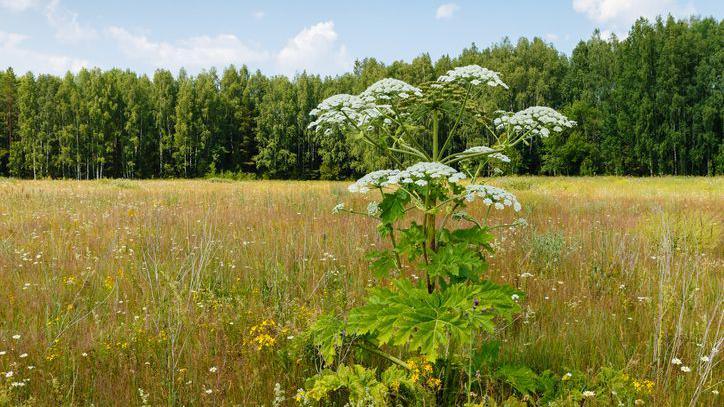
x,y
326,334
429,323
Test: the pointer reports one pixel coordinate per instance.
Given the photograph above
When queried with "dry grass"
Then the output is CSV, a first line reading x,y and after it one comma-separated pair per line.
x,y
116,286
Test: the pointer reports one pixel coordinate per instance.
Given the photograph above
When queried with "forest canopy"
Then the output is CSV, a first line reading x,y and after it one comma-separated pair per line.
x,y
649,104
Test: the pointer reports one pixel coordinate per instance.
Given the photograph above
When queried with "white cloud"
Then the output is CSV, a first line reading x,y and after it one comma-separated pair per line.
x,y
193,53
18,5
618,15
314,49
21,59
552,37
259,14
446,11
65,23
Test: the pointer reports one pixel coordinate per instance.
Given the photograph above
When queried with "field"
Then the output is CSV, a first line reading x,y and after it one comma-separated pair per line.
x,y
194,292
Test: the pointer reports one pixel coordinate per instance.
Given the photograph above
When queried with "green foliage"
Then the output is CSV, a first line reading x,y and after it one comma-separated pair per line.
x,y
430,323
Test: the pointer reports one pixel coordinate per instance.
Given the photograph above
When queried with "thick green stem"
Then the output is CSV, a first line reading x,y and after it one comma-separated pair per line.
x,y
435,130
387,356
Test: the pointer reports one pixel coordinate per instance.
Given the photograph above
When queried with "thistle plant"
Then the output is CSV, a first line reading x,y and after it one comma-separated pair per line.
x,y
433,305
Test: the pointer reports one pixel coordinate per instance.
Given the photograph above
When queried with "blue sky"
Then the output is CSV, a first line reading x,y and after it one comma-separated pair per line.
x,y
284,37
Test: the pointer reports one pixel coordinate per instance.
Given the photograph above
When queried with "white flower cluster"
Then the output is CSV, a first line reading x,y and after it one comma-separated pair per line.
x,y
495,196
419,174
536,119
342,109
487,151
375,179
473,74
387,89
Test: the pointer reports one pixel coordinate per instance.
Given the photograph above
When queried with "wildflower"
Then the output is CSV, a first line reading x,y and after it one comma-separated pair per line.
x,y
492,196
521,222
213,369
567,376
704,359
2,353
535,119
473,74
374,179
17,384
589,393
676,361
515,297
9,374
24,355
338,208
208,391
388,88
16,337
484,151
373,208
685,369
715,392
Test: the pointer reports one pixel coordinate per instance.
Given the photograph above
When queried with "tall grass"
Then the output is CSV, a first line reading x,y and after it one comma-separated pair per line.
x,y
193,292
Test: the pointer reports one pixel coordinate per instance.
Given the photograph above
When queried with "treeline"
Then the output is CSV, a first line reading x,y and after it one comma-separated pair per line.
x,y
649,104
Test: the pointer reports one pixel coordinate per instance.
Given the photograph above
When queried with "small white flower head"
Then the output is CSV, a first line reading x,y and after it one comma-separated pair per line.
x,y
423,173
715,392
474,75
213,369
685,369
375,179
208,391
538,120
704,359
23,355
16,337
2,352
338,208
9,374
515,297
342,111
521,222
676,361
588,394
373,208
484,151
385,90
497,197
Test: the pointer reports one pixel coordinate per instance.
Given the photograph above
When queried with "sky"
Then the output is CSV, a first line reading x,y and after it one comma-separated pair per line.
x,y
287,37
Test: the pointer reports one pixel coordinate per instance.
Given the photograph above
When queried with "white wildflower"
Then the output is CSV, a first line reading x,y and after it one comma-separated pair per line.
x,y
473,74
386,89
484,151
535,119
685,369
16,337
338,208
515,297
375,179
23,356
676,361
213,369
492,196
9,374
704,359
588,393
373,208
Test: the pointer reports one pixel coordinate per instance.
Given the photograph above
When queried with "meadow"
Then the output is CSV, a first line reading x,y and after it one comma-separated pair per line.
x,y
119,292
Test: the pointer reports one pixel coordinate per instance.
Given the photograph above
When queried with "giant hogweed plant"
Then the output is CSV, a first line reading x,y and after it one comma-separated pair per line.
x,y
434,304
